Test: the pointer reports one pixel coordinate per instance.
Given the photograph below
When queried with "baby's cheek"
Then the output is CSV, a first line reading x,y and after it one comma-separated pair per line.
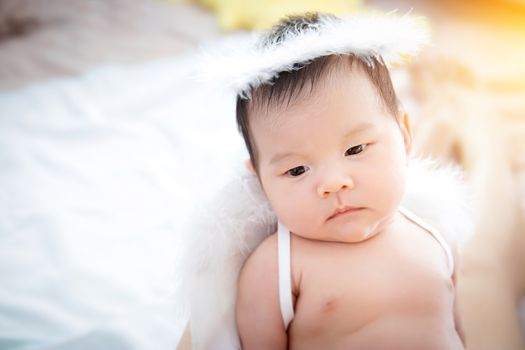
x,y
293,208
394,187
383,184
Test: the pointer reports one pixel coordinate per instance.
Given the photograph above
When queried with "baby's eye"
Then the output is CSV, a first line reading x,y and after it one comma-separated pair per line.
x,y
297,171
355,150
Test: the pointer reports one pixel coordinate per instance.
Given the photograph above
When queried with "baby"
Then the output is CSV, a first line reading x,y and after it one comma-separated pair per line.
x,y
348,267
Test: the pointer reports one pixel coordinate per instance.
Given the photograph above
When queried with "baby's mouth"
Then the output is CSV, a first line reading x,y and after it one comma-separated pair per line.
x,y
341,211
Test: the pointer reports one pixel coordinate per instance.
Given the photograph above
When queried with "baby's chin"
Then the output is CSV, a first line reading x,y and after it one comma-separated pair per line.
x,y
355,236
346,236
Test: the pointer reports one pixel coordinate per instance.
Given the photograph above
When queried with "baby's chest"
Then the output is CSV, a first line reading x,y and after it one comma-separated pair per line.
x,y
356,286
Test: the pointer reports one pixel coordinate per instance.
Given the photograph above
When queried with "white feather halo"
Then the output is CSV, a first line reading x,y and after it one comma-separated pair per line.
x,y
246,64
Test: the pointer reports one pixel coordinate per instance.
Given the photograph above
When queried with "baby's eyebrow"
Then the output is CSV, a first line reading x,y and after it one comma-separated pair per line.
x,y
280,156
359,128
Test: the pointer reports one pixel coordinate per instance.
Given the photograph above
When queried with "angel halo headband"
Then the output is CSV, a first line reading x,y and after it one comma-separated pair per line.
x,y
245,66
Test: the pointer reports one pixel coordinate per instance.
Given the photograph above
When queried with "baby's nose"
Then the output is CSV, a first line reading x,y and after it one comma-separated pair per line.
x,y
334,184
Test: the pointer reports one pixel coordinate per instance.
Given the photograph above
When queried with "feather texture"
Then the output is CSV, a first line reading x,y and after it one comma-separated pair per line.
x,y
248,64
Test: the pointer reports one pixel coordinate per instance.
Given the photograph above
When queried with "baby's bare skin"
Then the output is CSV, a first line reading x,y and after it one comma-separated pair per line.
x,y
333,167
392,291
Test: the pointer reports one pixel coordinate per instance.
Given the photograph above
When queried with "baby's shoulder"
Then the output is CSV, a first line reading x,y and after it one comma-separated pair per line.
x,y
441,236
258,278
264,257
440,233
429,227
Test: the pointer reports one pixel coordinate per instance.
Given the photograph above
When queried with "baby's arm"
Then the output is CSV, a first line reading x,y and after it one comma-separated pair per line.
x,y
457,315
258,314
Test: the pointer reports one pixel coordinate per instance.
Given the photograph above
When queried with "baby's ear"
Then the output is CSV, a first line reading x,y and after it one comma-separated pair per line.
x,y
406,130
249,166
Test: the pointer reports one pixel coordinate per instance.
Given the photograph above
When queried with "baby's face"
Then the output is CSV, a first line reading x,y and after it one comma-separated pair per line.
x,y
333,164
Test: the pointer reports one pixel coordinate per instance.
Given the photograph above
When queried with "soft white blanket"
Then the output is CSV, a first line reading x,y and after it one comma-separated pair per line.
x,y
97,174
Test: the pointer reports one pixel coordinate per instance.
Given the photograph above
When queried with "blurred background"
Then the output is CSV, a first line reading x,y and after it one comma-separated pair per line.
x,y
107,144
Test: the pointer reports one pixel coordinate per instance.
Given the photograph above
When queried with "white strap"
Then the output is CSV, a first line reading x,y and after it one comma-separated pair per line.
x,y
434,232
285,276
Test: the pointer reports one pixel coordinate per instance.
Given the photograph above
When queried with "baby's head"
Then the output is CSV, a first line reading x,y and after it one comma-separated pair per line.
x,y
328,142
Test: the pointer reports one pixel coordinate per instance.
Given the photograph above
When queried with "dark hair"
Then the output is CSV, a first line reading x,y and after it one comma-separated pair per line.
x,y
288,85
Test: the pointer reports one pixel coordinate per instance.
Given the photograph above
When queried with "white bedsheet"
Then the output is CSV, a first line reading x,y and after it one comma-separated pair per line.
x,y
97,174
